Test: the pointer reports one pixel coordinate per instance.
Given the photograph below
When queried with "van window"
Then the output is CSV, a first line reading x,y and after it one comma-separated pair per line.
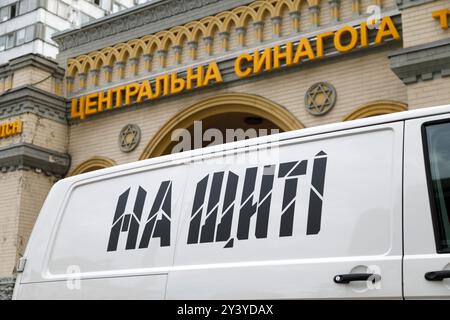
x,y
438,154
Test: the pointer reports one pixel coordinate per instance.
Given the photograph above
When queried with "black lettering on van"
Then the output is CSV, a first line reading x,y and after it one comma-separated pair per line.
x,y
197,209
155,228
316,193
247,209
291,171
208,230
209,227
130,222
224,227
219,204
261,207
250,209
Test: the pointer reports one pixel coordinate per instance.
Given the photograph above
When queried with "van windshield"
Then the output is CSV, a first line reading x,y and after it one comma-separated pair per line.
x,y
438,153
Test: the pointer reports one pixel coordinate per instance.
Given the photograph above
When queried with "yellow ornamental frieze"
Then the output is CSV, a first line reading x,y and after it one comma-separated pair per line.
x,y
245,65
183,43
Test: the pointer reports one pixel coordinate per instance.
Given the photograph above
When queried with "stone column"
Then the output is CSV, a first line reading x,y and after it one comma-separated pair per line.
x,y
224,40
259,29
241,36
208,45
295,21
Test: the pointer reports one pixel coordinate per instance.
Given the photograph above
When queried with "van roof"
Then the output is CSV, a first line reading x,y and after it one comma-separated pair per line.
x,y
327,128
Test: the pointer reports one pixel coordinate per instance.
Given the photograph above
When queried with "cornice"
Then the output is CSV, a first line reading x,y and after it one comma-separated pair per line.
x,y
33,60
28,99
141,16
405,4
423,62
25,156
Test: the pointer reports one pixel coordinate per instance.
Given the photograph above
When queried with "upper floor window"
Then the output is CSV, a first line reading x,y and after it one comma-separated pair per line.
x,y
48,34
8,12
117,7
2,43
84,18
20,37
96,2
30,33
10,38
27,6
17,38
18,8
57,7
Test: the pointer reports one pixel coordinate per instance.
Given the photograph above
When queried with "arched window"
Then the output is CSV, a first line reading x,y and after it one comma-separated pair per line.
x,y
376,108
93,164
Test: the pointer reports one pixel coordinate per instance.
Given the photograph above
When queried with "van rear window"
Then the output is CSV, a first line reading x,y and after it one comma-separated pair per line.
x,y
437,152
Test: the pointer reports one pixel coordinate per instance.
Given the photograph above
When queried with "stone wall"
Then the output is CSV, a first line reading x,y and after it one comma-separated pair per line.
x,y
359,79
6,288
423,63
33,160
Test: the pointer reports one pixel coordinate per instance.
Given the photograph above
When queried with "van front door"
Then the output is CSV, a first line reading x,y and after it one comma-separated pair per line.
x,y
427,208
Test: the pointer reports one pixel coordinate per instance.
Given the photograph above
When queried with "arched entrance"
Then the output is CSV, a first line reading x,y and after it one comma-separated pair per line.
x,y
226,111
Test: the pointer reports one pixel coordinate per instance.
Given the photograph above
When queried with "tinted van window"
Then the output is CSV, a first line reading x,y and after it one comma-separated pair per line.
x,y
438,154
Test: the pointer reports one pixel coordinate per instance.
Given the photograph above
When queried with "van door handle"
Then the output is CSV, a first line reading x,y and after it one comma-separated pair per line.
x,y
437,275
347,278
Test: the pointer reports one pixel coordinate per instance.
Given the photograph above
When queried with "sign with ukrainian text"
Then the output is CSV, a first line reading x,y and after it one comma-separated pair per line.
x,y
443,17
248,64
10,129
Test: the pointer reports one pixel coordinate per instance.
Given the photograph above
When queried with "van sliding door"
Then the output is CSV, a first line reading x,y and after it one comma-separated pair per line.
x,y
320,217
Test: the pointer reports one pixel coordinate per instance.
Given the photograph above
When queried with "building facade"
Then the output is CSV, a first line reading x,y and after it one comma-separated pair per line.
x,y
132,79
33,124
27,26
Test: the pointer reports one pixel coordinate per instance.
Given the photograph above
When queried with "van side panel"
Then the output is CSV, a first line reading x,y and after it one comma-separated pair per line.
x,y
135,288
278,223
284,226
112,237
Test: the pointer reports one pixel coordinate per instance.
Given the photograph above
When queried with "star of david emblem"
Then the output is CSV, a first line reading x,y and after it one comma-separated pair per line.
x,y
129,137
320,98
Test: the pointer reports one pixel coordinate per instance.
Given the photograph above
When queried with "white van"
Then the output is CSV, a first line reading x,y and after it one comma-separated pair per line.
x,y
348,210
